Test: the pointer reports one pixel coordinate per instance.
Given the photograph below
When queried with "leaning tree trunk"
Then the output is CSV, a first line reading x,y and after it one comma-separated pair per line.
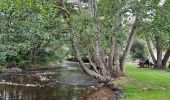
x,y
148,42
166,57
102,78
129,44
99,57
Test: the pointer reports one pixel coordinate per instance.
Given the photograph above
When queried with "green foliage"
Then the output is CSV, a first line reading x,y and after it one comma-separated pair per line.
x,y
33,31
30,33
156,23
139,50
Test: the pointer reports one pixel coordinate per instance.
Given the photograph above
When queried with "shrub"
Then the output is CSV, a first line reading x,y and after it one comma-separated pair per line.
x,y
139,50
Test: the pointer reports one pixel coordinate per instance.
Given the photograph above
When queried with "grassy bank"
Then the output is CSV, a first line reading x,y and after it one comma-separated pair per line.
x,y
146,84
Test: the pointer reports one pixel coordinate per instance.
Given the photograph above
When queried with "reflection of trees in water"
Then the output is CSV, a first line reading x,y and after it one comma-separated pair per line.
x,y
16,93
36,78
50,90
59,92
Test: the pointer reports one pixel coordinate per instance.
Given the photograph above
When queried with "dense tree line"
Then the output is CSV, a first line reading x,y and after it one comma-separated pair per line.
x,y
36,31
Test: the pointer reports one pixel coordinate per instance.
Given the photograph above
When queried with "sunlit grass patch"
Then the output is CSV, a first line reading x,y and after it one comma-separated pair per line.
x,y
146,84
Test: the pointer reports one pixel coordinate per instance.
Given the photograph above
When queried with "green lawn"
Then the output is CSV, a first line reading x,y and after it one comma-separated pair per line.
x,y
146,84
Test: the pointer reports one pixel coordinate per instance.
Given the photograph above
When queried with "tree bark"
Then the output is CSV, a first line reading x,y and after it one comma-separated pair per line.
x,y
150,49
159,53
129,44
103,56
111,54
117,69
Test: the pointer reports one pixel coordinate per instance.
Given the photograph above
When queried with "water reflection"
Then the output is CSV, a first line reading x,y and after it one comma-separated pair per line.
x,y
59,92
60,84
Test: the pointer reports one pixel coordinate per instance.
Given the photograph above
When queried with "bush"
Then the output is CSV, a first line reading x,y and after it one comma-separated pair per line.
x,y
139,50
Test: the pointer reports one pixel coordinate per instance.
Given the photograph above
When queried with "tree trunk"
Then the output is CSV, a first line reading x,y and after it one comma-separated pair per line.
x,y
111,55
93,65
101,78
159,53
129,44
79,6
117,69
99,57
150,49
166,57
113,43
97,47
92,7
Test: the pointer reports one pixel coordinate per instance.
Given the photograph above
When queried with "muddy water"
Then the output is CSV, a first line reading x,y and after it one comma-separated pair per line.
x,y
62,83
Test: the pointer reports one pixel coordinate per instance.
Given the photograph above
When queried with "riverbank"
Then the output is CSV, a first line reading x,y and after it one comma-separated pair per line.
x,y
139,83
146,84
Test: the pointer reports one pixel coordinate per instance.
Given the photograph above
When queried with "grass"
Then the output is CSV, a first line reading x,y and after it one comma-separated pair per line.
x,y
146,84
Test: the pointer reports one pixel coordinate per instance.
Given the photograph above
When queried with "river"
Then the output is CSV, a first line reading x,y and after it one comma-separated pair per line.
x,y
62,83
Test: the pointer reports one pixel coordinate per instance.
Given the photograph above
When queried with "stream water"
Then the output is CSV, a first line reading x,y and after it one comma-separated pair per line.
x,y
62,83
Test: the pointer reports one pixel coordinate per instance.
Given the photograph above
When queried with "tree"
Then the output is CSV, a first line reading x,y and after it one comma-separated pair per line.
x,y
91,29
30,33
158,34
